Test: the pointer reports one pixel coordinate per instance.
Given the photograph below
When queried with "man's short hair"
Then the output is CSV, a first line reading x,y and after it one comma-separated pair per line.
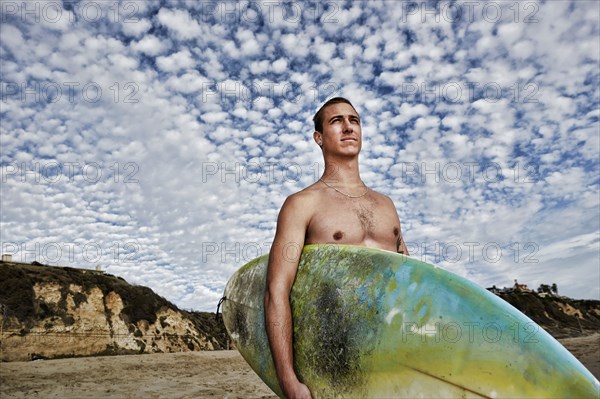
x,y
318,118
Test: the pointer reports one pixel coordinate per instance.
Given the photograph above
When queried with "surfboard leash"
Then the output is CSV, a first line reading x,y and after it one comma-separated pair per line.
x,y
218,306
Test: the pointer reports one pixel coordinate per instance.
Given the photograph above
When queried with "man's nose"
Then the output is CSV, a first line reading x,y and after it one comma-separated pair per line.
x,y
347,128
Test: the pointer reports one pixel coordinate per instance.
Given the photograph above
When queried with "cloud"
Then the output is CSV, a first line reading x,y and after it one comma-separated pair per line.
x,y
13,38
176,61
136,28
180,22
191,82
150,45
280,66
296,45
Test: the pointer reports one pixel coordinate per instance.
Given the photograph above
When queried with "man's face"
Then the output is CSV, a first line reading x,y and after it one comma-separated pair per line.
x,y
342,133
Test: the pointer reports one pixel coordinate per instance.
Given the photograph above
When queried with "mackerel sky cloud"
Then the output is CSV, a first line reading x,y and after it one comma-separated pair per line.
x,y
158,139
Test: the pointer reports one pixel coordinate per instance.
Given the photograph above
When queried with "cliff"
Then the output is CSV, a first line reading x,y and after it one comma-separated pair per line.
x,y
53,312
560,316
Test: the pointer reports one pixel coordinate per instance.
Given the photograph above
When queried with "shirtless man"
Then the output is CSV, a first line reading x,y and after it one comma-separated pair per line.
x,y
337,209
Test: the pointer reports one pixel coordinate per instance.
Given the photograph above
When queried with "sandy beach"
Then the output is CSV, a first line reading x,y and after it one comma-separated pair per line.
x,y
218,374
210,374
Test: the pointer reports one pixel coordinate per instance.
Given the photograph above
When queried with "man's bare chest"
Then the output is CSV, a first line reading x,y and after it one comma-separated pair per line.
x,y
353,222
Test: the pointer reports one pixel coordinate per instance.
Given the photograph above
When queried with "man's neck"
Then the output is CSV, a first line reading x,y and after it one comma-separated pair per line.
x,y
343,172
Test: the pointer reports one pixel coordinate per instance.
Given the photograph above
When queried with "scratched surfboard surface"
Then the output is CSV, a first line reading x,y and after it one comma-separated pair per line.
x,y
372,323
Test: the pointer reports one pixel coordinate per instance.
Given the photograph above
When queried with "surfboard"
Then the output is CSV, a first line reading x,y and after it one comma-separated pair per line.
x,y
369,323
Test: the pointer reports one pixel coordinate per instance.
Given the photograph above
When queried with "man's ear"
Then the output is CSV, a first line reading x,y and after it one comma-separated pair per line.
x,y
318,138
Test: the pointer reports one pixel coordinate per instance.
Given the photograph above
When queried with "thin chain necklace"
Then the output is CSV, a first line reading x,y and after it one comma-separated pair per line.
x,y
347,195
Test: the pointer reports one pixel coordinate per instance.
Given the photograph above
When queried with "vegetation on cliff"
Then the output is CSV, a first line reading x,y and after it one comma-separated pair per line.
x,y
17,295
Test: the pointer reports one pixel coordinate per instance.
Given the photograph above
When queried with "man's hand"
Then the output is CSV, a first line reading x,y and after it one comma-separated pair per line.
x,y
297,390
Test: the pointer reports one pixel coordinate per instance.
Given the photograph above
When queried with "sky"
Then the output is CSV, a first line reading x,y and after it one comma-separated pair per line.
x,y
158,139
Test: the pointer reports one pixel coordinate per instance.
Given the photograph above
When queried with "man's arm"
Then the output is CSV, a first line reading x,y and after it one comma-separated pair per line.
x,y
283,264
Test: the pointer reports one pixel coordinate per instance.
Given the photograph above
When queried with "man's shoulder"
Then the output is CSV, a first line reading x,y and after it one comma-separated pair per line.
x,y
377,195
301,205
304,196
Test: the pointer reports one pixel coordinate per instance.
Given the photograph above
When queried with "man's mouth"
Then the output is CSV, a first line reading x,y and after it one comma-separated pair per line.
x,y
349,138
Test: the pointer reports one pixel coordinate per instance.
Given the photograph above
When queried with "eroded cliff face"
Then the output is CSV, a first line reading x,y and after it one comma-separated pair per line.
x,y
64,318
560,316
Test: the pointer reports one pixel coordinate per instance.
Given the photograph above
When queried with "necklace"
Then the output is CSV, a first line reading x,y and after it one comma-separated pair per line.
x,y
347,195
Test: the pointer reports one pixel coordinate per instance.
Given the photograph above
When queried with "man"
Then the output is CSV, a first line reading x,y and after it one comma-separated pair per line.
x,y
337,209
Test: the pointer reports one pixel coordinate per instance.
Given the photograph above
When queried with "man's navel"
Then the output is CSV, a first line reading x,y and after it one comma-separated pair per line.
x,y
338,235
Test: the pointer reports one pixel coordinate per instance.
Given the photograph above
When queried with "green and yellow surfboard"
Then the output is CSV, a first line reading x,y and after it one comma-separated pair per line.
x,y
375,324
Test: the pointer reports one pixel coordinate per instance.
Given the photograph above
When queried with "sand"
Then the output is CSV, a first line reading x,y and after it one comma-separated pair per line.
x,y
587,350
219,374
214,374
